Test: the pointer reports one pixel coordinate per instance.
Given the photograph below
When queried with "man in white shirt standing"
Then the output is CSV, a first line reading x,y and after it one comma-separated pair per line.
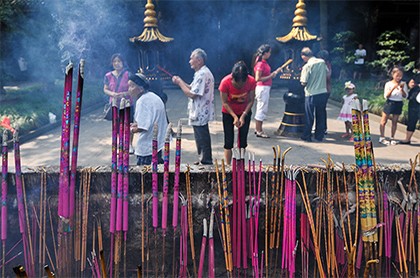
x,y
200,95
359,63
314,78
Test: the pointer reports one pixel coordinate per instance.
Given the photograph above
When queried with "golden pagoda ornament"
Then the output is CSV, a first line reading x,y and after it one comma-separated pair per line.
x,y
299,31
150,32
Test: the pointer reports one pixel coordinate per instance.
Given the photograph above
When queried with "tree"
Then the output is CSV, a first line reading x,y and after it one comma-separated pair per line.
x,y
342,55
394,49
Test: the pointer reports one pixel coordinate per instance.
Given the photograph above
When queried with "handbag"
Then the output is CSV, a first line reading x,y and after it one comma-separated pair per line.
x,y
107,114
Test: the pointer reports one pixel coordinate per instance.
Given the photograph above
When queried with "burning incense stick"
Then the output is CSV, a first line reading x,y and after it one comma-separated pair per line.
x,y
165,71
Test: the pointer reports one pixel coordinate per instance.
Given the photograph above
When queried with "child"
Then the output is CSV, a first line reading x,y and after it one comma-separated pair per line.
x,y
394,92
345,112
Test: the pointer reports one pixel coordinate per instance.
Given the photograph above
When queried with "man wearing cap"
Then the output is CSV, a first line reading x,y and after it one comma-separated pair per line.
x,y
149,110
200,95
314,78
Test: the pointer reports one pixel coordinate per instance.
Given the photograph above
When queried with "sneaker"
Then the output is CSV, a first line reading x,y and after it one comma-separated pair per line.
x,y
384,141
261,134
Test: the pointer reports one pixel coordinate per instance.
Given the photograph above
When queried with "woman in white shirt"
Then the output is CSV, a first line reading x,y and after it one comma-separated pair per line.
x,y
394,92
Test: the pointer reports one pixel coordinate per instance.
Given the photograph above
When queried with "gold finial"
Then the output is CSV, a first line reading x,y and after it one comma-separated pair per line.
x,y
299,31
150,31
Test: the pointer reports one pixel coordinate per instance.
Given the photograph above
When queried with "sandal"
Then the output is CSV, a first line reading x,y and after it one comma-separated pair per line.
x,y
261,134
384,141
394,142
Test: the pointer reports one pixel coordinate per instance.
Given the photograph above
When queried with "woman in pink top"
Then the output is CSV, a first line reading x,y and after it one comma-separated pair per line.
x,y
264,78
237,91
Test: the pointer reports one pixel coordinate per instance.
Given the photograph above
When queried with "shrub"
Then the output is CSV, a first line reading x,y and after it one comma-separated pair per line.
x,y
394,49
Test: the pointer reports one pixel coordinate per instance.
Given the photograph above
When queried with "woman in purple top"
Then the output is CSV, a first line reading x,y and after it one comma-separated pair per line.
x,y
116,85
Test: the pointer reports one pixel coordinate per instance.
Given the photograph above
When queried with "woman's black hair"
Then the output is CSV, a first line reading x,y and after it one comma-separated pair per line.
x,y
119,56
240,72
324,55
262,50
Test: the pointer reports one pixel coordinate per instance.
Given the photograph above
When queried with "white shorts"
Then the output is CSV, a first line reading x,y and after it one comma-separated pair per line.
x,y
262,96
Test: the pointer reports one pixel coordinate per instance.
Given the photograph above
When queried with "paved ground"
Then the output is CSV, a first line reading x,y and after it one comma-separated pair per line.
x,y
95,139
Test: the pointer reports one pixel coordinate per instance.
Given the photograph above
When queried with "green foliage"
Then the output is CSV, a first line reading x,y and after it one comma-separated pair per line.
x,y
394,49
342,55
29,106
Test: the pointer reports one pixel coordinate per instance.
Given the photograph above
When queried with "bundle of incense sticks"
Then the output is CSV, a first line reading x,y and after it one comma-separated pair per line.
x,y
63,196
114,180
68,166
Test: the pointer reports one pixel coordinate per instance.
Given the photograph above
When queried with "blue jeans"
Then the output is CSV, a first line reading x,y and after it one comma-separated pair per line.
x,y
203,143
315,110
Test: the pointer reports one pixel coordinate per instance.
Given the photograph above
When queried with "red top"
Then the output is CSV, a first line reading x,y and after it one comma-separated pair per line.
x,y
237,98
265,69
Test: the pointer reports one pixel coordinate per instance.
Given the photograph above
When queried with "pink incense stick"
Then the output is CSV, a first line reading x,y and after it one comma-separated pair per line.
x,y
165,189
257,212
155,188
4,168
235,245
4,190
126,162
63,197
211,272
119,214
18,181
113,209
76,131
165,71
203,249
243,209
114,153
176,178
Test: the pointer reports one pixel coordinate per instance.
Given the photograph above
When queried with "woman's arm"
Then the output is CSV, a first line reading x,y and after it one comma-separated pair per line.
x,y
404,89
110,93
251,98
388,90
258,76
225,104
